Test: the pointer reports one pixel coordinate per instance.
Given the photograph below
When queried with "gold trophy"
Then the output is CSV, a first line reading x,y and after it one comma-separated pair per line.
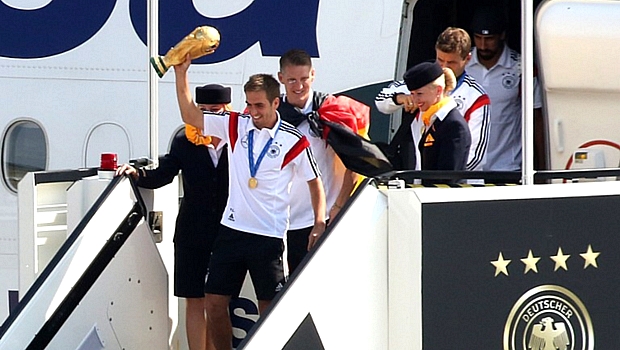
x,y
200,42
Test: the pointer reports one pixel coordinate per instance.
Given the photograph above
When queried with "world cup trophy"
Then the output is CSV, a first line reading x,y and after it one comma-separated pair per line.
x,y
200,42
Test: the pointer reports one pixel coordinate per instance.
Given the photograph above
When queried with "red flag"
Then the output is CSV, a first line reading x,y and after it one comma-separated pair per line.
x,y
345,127
346,111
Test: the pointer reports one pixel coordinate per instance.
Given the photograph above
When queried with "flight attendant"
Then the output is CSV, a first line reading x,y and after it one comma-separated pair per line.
x,y
445,137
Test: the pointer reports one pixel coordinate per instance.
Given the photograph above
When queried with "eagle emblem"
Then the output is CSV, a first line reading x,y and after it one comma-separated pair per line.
x,y
549,317
548,335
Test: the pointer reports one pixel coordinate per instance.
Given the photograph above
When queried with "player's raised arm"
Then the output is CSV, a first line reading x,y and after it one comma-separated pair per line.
x,y
190,113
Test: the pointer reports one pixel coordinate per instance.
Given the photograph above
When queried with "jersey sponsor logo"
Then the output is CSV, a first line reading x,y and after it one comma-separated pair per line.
x,y
549,317
44,32
244,141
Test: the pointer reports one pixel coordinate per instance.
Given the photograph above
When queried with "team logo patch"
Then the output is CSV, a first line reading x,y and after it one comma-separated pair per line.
x,y
510,80
244,141
549,317
459,103
274,150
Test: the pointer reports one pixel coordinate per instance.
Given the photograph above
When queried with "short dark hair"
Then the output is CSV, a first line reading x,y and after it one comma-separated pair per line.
x,y
263,82
295,57
454,40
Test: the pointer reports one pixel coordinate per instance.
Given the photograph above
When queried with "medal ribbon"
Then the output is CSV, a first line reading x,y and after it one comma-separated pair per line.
x,y
254,166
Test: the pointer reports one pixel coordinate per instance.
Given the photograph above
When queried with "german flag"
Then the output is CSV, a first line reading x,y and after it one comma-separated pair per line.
x,y
345,124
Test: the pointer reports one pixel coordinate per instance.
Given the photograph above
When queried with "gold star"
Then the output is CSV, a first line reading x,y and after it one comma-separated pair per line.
x,y
530,262
590,257
500,265
560,260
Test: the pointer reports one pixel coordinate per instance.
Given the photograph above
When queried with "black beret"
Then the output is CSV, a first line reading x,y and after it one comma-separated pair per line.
x,y
422,74
212,94
488,20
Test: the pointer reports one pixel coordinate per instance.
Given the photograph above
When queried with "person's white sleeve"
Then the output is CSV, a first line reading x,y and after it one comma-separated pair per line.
x,y
216,124
306,166
385,99
479,121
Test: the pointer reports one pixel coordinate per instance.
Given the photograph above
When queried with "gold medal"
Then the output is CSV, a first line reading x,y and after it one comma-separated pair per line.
x,y
252,182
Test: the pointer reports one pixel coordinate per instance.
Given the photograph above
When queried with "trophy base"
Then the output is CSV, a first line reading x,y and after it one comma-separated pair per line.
x,y
159,65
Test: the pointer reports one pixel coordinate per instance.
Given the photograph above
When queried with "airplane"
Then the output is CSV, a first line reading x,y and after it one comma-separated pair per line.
x,y
73,89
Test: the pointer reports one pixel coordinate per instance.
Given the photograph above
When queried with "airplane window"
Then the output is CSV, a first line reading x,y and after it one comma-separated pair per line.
x,y
24,149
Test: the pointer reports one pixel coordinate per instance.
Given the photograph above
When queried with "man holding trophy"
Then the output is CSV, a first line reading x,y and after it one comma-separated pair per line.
x,y
265,153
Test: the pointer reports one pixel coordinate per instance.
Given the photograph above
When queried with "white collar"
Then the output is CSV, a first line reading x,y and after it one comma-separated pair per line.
x,y
272,131
309,103
445,109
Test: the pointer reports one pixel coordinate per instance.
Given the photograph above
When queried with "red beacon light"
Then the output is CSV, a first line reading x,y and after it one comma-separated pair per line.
x,y
107,166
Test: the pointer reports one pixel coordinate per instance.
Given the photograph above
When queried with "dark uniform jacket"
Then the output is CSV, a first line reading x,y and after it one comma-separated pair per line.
x,y
205,189
401,150
445,145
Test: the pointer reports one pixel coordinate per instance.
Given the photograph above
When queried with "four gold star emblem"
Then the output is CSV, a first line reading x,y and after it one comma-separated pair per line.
x,y
531,261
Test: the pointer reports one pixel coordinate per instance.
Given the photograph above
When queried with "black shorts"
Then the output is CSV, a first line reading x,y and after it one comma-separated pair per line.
x,y
191,264
235,253
296,247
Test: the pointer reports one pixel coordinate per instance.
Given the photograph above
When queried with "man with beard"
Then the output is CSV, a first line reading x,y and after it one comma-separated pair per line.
x,y
497,68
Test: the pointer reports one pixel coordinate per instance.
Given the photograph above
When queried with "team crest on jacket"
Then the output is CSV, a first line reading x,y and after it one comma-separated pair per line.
x,y
274,150
510,80
549,317
459,103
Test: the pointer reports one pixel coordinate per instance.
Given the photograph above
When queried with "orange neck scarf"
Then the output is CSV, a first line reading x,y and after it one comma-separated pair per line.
x,y
426,115
195,136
